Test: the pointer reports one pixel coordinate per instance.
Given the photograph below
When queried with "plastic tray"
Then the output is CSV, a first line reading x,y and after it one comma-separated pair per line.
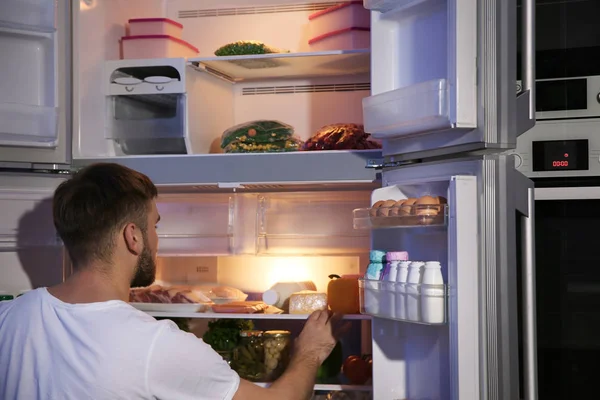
x,y
28,126
416,216
414,109
415,303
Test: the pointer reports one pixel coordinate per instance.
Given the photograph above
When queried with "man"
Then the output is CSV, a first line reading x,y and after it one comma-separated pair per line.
x,y
82,340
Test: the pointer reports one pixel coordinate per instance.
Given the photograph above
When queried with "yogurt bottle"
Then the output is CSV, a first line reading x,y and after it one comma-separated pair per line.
x,y
433,294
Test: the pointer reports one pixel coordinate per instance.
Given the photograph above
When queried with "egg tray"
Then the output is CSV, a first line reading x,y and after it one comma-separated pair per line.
x,y
420,216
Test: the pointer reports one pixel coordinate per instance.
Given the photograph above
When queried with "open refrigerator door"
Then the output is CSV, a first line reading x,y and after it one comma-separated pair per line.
x,y
451,333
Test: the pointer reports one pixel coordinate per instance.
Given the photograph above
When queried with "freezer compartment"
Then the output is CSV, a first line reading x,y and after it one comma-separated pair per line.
x,y
147,124
310,223
413,216
28,125
408,302
35,15
199,225
417,108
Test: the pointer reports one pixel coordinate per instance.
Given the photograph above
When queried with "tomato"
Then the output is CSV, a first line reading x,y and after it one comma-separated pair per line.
x,y
357,370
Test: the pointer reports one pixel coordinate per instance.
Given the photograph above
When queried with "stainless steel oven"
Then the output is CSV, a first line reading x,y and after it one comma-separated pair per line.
x,y
567,66
563,159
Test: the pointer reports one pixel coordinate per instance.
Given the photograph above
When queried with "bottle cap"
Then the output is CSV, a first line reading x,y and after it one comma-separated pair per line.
x,y
270,297
397,256
377,256
433,264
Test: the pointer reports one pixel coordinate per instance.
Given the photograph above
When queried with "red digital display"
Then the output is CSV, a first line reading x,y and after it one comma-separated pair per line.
x,y
560,155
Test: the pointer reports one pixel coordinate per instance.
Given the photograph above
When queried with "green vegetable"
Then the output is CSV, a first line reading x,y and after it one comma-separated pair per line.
x,y
332,366
245,47
223,334
260,131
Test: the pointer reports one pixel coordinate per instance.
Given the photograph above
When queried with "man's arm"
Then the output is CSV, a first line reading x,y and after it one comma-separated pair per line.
x,y
313,346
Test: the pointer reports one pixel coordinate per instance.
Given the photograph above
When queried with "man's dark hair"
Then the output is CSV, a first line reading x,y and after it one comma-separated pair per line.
x,y
94,204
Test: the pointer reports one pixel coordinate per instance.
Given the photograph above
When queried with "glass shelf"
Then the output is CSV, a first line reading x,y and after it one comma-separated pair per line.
x,y
285,65
331,387
212,315
406,302
416,216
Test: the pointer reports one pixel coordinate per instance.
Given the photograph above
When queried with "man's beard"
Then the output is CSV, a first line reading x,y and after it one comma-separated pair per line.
x,y
145,270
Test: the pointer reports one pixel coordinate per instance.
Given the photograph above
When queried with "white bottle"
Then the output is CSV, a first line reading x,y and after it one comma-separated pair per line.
x,y
413,289
389,286
401,279
280,293
432,293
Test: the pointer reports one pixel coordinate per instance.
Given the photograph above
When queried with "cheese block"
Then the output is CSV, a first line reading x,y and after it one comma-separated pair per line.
x,y
307,301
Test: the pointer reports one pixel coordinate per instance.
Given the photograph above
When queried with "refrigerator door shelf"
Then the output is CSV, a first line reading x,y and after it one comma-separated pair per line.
x,y
423,107
415,216
34,15
28,125
407,302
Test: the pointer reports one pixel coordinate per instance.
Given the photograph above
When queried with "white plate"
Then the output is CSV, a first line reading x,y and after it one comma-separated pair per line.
x,y
168,307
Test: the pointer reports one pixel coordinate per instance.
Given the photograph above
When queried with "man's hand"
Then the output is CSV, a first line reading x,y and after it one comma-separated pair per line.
x,y
319,336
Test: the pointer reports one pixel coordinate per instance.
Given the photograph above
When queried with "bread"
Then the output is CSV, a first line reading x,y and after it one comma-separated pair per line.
x,y
384,210
407,207
428,206
395,211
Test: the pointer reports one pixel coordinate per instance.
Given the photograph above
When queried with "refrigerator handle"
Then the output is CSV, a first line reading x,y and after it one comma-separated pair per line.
x,y
529,308
526,98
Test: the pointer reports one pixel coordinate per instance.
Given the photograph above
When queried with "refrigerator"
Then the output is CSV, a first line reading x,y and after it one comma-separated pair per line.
x,y
436,87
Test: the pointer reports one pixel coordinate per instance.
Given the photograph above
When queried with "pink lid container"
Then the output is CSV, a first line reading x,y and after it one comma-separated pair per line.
x,y
345,39
155,26
156,46
346,15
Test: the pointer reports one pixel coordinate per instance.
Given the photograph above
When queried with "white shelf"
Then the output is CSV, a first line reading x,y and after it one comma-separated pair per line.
x,y
419,108
320,169
211,315
285,65
335,387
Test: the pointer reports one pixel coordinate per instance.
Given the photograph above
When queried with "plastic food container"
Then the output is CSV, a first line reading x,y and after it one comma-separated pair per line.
x,y
344,39
156,46
336,18
155,26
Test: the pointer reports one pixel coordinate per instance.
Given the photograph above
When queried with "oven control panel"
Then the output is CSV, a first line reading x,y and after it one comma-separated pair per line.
x,y
560,148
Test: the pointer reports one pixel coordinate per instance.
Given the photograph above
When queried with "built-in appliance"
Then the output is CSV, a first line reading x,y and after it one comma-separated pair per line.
x,y
562,158
567,66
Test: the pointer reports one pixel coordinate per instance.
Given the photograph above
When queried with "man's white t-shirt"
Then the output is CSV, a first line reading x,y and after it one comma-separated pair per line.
x,y
54,350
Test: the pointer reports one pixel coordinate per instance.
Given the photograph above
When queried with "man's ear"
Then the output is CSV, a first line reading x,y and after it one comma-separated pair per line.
x,y
133,239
